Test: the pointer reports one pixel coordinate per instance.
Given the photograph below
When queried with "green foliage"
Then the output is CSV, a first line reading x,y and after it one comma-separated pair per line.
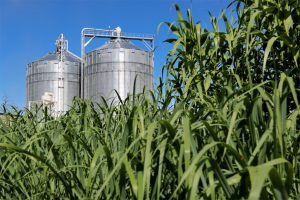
x,y
233,132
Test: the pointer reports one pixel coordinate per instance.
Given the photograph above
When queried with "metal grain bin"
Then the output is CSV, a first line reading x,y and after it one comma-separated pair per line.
x,y
57,73
114,66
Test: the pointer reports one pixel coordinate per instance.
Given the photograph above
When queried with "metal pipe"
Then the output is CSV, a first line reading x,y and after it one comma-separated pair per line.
x,y
67,44
82,54
89,41
59,64
74,55
61,79
60,70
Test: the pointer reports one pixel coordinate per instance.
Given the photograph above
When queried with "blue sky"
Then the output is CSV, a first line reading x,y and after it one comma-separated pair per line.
x,y
29,29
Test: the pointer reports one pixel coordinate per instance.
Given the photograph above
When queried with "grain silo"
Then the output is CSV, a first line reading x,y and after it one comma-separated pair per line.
x,y
54,79
115,65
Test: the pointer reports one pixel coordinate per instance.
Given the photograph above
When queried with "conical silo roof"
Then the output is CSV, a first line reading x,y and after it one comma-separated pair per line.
x,y
119,43
55,56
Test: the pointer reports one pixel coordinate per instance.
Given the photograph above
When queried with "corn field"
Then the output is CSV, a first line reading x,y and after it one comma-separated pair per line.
x,y
224,124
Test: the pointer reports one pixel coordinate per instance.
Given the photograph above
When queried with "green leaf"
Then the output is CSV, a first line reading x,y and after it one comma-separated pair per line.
x,y
207,82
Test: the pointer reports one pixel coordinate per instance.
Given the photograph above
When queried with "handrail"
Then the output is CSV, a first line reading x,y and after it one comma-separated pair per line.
x,y
112,33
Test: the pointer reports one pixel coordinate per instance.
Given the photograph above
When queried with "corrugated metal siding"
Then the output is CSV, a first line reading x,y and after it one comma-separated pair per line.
x,y
44,77
117,70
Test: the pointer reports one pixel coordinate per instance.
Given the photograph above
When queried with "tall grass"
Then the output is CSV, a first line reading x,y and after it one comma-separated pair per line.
x,y
233,132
